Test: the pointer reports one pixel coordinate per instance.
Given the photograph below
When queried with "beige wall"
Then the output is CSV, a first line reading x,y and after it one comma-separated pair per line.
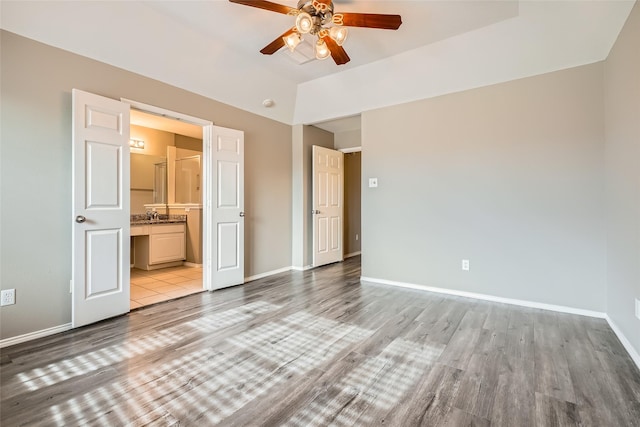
x,y
35,88
188,143
622,154
348,139
352,194
155,141
508,176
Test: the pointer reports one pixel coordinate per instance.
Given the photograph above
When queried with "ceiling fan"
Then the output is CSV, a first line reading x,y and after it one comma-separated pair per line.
x,y
316,17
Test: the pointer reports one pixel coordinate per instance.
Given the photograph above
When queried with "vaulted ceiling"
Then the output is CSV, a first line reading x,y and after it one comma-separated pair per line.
x,y
212,48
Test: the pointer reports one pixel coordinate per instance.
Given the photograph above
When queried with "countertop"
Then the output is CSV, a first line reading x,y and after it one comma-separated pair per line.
x,y
143,219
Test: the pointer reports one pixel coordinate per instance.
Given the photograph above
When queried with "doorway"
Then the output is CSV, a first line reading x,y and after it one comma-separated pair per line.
x,y
352,201
100,284
165,208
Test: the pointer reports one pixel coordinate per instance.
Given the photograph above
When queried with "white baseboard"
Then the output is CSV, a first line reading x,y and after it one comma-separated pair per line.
x,y
523,303
352,254
625,342
34,335
267,274
305,268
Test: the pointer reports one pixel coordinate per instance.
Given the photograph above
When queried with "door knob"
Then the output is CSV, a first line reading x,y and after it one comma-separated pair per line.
x,y
315,212
242,214
80,219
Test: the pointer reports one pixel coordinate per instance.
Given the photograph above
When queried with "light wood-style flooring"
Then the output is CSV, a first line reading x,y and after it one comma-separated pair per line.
x,y
317,349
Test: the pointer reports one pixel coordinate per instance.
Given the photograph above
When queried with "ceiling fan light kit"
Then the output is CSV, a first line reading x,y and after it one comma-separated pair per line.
x,y
292,41
322,50
316,17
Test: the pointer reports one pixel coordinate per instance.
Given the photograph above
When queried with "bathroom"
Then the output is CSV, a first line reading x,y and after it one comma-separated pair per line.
x,y
166,209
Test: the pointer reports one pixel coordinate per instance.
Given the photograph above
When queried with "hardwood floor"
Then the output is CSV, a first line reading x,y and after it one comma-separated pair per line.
x,y
318,348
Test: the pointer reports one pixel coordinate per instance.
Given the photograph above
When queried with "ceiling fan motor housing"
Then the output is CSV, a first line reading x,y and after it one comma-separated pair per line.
x,y
321,12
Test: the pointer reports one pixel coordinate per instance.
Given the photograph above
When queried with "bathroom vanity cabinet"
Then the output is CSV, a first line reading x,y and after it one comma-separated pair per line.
x,y
158,245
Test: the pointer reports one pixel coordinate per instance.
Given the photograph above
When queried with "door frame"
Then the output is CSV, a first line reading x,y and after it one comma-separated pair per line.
x,y
349,150
207,139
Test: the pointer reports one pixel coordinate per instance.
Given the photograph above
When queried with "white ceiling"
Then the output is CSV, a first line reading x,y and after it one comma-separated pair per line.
x,y
212,47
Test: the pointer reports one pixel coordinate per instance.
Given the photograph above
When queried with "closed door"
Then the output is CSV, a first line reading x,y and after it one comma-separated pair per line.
x,y
327,210
100,229
228,216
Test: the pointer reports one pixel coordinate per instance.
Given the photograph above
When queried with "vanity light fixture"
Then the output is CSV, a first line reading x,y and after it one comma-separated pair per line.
x,y
136,143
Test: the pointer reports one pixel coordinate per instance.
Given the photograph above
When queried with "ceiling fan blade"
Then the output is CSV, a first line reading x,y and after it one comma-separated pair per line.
x,y
276,45
266,5
368,20
338,53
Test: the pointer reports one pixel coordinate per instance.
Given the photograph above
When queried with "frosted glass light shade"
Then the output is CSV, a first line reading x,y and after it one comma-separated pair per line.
x,y
292,40
322,51
339,34
304,23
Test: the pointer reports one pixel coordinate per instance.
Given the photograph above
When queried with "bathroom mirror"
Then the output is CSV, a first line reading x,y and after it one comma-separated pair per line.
x,y
148,181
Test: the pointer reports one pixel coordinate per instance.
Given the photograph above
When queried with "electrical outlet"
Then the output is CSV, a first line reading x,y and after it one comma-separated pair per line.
x,y
8,297
638,308
465,264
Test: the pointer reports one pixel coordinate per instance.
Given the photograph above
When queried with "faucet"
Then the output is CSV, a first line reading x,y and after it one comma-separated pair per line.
x,y
152,215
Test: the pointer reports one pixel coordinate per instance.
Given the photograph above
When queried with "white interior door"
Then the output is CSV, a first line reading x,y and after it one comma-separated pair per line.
x,y
100,230
227,212
327,210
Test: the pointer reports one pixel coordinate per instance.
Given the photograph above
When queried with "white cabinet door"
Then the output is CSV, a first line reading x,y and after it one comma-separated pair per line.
x,y
100,230
328,195
166,247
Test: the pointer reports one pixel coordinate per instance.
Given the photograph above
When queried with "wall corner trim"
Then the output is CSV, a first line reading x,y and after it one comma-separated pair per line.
x,y
625,342
305,268
522,303
34,335
267,274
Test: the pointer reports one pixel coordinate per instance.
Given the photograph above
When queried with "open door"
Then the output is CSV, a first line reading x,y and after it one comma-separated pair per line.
x,y
100,230
328,201
226,260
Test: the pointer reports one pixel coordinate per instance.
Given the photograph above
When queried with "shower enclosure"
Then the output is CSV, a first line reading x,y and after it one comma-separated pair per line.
x,y
187,180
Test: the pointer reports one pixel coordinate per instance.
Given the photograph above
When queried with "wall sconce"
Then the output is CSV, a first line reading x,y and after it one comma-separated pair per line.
x,y
136,143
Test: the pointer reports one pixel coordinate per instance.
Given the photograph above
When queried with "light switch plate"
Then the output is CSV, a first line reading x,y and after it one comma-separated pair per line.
x,y
638,308
373,182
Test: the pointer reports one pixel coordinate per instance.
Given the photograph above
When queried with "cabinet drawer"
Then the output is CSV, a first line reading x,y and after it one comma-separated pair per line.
x,y
167,228
139,230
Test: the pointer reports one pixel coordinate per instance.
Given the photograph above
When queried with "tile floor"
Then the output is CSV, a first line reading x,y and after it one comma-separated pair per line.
x,y
150,287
